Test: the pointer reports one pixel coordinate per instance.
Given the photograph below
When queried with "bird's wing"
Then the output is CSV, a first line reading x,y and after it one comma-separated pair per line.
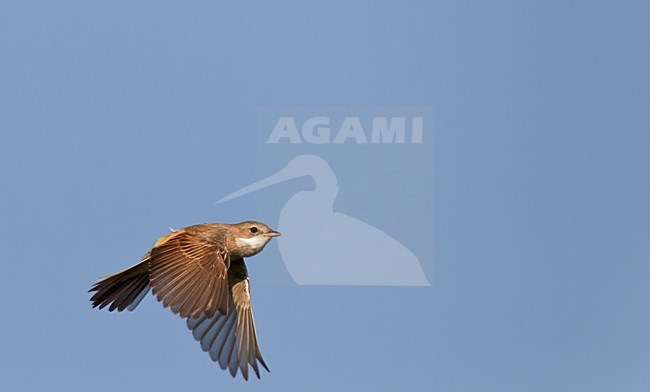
x,y
188,273
231,339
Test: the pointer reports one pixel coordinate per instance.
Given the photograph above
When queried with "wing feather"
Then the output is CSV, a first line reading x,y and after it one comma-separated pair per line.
x,y
230,339
188,273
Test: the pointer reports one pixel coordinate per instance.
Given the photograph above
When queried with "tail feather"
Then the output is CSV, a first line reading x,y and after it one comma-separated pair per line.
x,y
138,299
123,290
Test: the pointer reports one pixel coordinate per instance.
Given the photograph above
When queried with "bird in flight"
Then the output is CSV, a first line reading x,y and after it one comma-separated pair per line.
x,y
199,273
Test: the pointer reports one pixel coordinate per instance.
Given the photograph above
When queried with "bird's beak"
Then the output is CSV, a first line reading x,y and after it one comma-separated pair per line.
x,y
287,173
273,233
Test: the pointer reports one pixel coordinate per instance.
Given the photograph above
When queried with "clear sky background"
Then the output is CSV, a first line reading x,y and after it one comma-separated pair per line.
x,y
116,119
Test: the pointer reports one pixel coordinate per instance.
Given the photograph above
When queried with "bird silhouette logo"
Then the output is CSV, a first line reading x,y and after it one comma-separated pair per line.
x,y
322,247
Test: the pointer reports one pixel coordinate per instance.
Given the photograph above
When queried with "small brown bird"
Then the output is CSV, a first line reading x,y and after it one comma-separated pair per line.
x,y
199,273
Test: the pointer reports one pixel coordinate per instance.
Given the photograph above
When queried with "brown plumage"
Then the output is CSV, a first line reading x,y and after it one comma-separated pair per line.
x,y
230,340
199,273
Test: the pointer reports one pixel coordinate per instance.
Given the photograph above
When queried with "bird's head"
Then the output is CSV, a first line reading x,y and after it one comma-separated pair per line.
x,y
249,238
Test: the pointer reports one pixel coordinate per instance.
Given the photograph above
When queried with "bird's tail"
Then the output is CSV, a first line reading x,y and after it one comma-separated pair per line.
x,y
123,290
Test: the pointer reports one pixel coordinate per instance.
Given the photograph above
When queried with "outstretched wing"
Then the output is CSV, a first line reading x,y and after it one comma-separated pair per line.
x,y
188,273
231,339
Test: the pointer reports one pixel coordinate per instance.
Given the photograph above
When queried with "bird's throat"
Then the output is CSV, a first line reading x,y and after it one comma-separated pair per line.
x,y
252,245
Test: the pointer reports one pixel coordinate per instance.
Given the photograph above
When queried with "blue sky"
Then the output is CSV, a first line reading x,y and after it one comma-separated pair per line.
x,y
116,119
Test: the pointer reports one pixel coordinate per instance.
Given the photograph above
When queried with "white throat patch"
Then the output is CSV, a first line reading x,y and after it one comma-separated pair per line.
x,y
252,243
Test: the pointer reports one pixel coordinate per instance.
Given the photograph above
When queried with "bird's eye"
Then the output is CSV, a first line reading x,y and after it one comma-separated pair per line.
x,y
253,229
